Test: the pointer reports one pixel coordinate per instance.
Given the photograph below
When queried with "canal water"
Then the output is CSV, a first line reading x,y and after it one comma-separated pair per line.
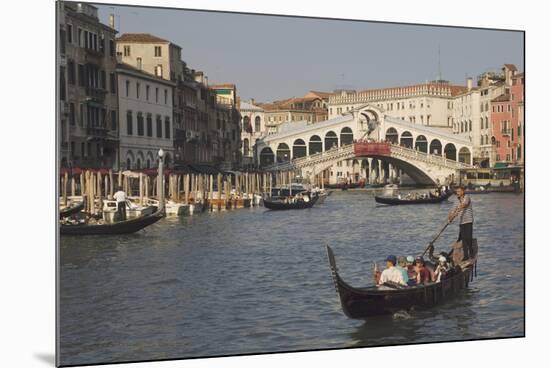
x,y
252,280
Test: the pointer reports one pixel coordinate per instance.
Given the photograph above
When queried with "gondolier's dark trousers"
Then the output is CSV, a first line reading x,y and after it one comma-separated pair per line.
x,y
121,210
465,234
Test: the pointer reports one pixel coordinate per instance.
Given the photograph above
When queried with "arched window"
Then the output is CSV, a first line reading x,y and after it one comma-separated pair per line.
x,y
283,152
246,125
315,145
346,136
406,139
246,147
392,136
257,124
450,151
435,147
299,149
331,140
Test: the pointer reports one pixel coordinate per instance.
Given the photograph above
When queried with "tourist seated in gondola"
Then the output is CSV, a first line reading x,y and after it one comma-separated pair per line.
x,y
442,270
402,267
391,274
423,275
411,273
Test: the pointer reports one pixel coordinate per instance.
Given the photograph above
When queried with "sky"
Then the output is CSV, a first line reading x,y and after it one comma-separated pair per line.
x,y
273,57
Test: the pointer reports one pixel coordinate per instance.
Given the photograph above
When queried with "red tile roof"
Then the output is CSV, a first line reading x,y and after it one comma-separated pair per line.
x,y
222,85
141,38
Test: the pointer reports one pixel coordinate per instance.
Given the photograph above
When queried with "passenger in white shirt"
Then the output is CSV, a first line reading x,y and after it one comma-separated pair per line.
x,y
120,197
391,273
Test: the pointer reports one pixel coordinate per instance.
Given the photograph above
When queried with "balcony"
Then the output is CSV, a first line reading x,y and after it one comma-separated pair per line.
x,y
96,132
94,56
96,94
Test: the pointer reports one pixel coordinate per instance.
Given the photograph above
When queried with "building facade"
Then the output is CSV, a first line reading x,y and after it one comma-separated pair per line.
x,y
87,89
425,104
146,118
312,108
507,122
253,128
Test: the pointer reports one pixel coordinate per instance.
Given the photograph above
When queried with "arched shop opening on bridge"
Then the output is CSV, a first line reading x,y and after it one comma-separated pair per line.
x,y
299,149
315,145
464,155
346,136
283,152
406,139
392,136
266,157
421,144
435,147
450,151
331,140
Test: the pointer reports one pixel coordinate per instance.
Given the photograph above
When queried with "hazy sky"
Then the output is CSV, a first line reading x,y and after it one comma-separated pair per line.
x,y
270,57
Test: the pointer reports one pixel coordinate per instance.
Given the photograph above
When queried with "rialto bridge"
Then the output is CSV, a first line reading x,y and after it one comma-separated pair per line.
x,y
352,142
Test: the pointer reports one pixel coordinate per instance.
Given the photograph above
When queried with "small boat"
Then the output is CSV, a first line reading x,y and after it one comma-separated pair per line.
x,y
71,210
115,228
278,204
322,194
429,199
344,186
361,303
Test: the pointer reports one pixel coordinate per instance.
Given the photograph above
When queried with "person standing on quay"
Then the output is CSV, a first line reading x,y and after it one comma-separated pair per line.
x,y
465,214
121,198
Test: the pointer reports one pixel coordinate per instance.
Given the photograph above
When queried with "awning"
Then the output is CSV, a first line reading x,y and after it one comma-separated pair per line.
x,y
500,165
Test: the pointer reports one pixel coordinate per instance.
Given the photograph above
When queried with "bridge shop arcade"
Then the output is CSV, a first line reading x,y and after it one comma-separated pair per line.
x,y
419,154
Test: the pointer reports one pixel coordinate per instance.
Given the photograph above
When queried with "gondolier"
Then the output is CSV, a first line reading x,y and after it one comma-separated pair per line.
x,y
120,197
465,214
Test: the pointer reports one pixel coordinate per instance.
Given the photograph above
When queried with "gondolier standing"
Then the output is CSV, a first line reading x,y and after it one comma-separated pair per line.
x,y
465,214
121,198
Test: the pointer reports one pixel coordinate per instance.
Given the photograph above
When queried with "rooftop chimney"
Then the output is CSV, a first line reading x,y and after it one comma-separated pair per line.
x,y
112,21
469,83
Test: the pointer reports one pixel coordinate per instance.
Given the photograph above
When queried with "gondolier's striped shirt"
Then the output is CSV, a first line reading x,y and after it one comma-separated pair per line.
x,y
466,215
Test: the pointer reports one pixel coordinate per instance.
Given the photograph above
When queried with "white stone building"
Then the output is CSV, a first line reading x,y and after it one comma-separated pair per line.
x,y
253,128
424,104
145,116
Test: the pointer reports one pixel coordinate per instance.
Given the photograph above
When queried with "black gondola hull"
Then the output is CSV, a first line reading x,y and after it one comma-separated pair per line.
x,y
68,211
300,205
362,303
116,228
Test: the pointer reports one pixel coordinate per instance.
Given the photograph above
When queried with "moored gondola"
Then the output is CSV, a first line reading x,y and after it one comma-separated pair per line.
x,y
397,201
71,210
361,303
278,204
115,228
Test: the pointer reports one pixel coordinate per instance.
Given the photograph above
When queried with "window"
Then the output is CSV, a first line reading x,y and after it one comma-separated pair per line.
x,y
157,51
71,72
86,40
149,125
138,63
62,87
129,123
158,70
69,33
167,127
137,90
147,92
112,48
103,79
83,150
127,88
126,50
81,76
79,34
507,157
71,114
113,120
112,82
157,95
166,97
159,126
140,130
81,114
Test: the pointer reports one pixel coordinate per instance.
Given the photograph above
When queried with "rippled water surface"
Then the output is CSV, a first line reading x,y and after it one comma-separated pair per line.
x,y
252,280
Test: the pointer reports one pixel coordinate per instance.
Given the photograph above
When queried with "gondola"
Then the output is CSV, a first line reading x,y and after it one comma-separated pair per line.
x,y
277,205
430,199
362,303
115,228
71,210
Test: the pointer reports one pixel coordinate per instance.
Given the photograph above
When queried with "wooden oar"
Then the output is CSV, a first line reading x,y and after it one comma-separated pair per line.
x,y
436,237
